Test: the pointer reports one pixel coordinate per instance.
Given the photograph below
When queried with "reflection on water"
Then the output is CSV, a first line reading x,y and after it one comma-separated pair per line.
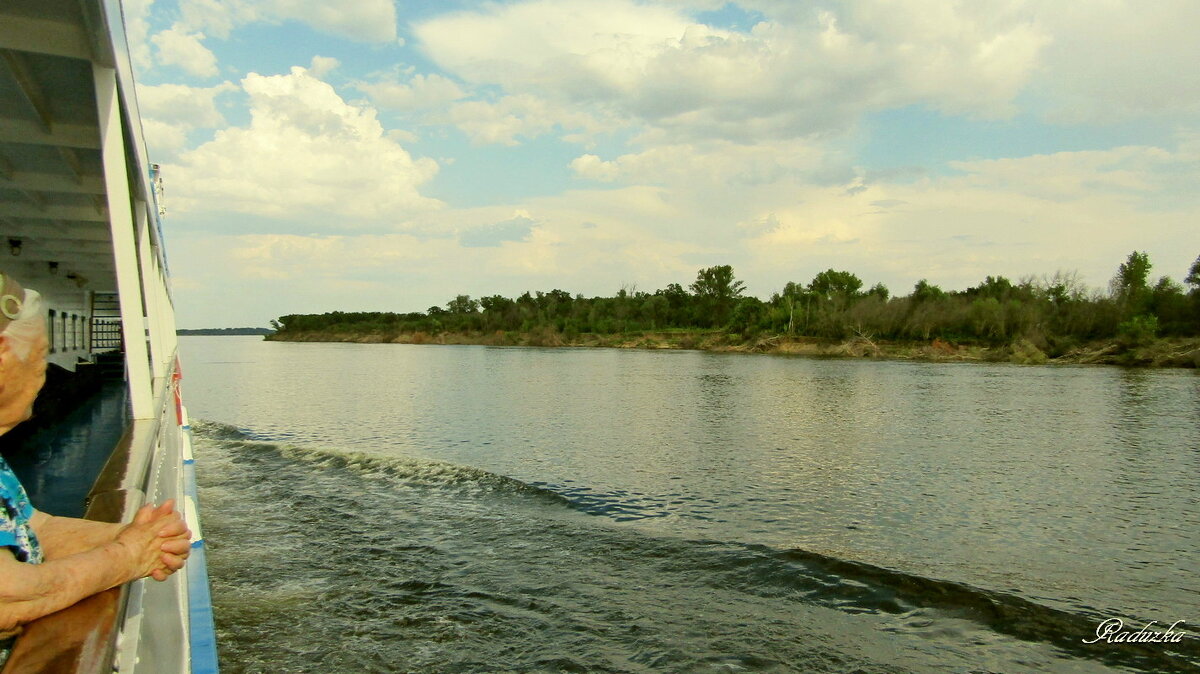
x,y
1071,487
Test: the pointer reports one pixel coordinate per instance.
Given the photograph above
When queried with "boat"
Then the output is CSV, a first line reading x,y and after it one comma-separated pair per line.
x,y
81,222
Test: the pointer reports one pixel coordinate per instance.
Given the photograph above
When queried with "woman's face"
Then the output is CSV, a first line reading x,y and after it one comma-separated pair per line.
x,y
20,381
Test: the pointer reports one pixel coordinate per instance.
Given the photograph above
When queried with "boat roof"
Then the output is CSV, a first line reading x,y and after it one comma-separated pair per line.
x,y
54,204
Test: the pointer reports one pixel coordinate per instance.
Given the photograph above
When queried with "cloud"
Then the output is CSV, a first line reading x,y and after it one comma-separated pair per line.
x,y
1120,60
716,164
420,92
593,167
171,111
807,73
1120,173
518,228
137,31
306,155
251,278
185,49
1020,216
362,20
289,256
323,65
511,118
951,229
194,107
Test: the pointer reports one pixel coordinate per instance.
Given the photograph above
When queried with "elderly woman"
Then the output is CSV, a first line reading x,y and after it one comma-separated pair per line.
x,y
48,563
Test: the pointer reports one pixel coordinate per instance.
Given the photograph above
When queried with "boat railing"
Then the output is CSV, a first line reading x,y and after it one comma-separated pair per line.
x,y
105,632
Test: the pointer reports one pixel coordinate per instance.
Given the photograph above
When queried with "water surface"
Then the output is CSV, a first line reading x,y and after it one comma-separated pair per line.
x,y
474,508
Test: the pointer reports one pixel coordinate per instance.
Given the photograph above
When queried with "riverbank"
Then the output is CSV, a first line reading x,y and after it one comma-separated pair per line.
x,y
1158,353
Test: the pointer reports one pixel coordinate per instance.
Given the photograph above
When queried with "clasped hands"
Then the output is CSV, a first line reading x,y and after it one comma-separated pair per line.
x,y
157,542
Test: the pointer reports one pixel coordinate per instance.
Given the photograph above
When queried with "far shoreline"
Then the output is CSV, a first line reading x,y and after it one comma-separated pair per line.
x,y
1159,353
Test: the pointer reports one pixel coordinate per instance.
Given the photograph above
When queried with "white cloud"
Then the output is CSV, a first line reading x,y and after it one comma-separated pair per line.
x,y
171,111
1121,173
323,65
421,92
289,256
165,139
194,107
588,241
594,168
1029,215
522,116
517,228
735,147
137,31
546,41
809,73
1120,60
716,165
307,155
250,279
952,230
362,20
185,49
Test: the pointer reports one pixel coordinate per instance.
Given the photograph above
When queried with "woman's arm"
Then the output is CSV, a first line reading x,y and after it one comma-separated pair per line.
x,y
30,591
155,544
65,536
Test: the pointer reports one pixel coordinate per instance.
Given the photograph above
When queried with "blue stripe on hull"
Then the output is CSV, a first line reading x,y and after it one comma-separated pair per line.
x,y
200,614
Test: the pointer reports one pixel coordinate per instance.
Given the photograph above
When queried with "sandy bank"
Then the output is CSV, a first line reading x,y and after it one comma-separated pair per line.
x,y
1160,353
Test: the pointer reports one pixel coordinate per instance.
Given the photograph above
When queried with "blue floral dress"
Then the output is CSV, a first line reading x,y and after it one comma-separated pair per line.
x,y
15,514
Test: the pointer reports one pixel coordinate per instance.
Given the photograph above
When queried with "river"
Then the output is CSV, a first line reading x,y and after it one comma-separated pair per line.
x,y
430,508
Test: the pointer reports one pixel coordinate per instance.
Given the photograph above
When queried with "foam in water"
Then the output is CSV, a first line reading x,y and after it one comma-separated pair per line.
x,y
395,563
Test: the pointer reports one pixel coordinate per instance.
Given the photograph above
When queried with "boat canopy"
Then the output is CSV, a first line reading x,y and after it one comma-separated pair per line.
x,y
79,219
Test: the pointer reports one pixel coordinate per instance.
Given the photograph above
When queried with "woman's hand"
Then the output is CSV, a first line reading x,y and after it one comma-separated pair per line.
x,y
157,542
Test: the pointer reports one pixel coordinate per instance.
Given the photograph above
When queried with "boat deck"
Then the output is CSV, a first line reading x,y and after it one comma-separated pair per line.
x,y
58,465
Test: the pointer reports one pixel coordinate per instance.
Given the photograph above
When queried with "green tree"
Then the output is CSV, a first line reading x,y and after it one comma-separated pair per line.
x,y
830,285
717,291
790,298
1131,282
747,316
924,291
655,309
997,287
1193,277
462,304
679,303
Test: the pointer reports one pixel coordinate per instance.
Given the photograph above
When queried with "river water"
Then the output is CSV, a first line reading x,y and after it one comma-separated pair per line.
x,y
431,508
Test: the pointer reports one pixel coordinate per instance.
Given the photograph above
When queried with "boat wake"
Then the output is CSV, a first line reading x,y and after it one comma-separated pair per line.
x,y
492,567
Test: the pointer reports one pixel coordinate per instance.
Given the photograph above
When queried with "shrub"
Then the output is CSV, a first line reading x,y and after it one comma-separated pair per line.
x,y
1025,352
1138,330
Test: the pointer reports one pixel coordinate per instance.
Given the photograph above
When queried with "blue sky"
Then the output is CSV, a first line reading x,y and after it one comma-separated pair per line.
x,y
389,156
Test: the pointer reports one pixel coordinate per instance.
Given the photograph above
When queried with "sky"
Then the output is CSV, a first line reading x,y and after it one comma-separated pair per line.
x,y
388,156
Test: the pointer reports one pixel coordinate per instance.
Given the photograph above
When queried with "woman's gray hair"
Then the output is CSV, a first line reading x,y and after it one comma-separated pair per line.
x,y
22,316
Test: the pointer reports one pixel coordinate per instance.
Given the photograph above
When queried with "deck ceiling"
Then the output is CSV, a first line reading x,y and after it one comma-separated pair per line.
x,y
52,196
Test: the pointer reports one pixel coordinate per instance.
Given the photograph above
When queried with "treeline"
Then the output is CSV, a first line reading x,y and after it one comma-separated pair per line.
x,y
222,332
1055,313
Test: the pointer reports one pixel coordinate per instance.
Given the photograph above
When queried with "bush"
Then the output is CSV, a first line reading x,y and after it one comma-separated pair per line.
x,y
1138,330
1026,352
